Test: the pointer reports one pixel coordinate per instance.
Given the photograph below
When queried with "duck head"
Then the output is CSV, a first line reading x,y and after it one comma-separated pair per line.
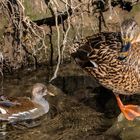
x,y
130,33
40,90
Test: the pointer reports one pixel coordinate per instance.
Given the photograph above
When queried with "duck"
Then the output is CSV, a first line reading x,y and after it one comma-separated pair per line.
x,y
113,59
16,109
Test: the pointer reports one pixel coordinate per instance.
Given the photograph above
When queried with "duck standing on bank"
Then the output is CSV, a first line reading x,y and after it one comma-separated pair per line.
x,y
24,108
113,58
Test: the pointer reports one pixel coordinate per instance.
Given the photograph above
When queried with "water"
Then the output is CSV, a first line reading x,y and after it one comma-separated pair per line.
x,y
81,109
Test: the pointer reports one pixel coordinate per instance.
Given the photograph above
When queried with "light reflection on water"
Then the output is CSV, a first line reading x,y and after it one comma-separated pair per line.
x,y
72,115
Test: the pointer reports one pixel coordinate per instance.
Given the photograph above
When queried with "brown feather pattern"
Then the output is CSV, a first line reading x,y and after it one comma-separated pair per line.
x,y
21,105
121,76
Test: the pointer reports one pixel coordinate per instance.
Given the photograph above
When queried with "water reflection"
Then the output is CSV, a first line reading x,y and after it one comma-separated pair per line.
x,y
80,109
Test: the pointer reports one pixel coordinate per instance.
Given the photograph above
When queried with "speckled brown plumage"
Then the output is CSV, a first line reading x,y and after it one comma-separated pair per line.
x,y
113,58
121,76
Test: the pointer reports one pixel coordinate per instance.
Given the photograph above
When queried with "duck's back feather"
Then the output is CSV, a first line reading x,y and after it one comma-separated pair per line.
x,y
20,109
99,56
96,48
15,105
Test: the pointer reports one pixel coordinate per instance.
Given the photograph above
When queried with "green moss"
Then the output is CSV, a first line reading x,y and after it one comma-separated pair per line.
x,y
33,12
136,8
3,23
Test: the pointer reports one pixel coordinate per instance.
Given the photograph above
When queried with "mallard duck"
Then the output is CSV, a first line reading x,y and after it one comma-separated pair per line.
x,y
24,108
113,58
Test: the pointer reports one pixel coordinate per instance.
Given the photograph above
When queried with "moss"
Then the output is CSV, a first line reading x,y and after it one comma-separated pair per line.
x,y
136,9
33,12
3,23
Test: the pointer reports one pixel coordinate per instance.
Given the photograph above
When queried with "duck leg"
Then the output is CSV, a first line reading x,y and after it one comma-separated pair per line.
x,y
130,111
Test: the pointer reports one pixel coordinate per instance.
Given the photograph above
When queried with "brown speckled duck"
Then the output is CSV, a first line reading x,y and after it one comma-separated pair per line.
x,y
113,58
24,108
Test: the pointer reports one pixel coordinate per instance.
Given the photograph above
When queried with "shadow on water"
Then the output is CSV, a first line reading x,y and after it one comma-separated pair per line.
x,y
81,109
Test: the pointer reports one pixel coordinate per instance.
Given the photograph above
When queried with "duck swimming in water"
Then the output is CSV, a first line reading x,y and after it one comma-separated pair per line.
x,y
113,59
24,108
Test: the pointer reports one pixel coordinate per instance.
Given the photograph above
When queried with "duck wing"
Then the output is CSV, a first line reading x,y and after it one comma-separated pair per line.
x,y
97,49
8,104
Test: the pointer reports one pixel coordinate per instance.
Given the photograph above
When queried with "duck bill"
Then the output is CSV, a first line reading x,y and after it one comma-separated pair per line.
x,y
50,93
126,46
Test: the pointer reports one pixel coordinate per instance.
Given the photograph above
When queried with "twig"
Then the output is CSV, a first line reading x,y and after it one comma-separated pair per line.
x,y
67,31
58,46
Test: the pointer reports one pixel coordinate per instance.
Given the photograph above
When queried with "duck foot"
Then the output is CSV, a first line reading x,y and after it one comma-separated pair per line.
x,y
130,111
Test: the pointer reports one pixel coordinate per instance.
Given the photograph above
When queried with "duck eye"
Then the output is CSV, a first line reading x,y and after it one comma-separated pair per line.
x,y
43,89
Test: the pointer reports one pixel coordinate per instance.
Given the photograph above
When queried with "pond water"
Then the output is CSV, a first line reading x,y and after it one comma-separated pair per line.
x,y
80,109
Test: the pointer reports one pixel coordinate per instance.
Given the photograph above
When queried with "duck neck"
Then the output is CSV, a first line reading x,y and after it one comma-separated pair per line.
x,y
133,59
133,55
41,101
